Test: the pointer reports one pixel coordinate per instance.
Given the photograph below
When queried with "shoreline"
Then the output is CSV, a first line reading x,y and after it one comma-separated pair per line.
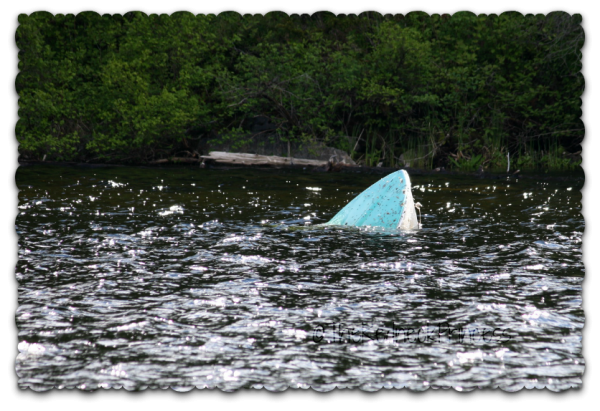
x,y
573,175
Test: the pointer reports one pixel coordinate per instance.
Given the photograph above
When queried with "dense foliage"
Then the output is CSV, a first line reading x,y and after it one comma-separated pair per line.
x,y
459,91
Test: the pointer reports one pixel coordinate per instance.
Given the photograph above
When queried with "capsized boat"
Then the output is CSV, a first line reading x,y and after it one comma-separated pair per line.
x,y
386,204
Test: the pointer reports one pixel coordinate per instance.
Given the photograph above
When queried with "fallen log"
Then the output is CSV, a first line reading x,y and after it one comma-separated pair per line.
x,y
260,160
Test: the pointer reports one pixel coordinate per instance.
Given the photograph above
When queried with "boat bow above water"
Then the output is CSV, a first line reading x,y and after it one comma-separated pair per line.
x,y
387,204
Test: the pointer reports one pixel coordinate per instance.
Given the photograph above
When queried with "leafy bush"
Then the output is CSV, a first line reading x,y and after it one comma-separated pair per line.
x,y
429,90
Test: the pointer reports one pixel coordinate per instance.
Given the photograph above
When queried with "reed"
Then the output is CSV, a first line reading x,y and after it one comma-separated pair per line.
x,y
495,143
415,151
544,155
425,145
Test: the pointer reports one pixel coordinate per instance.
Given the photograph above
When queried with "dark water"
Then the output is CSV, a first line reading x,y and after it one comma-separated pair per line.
x,y
135,278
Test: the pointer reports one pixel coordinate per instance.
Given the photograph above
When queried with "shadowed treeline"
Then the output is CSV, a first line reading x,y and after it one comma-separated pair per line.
x,y
459,91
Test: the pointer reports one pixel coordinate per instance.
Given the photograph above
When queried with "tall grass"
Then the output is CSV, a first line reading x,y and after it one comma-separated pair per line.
x,y
416,152
423,147
395,148
495,144
547,156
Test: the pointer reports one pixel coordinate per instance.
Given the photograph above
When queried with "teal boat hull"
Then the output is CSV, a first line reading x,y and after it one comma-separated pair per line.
x,y
387,204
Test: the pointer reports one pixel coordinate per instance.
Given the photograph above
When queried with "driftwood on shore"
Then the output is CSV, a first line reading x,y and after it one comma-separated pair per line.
x,y
260,160
318,165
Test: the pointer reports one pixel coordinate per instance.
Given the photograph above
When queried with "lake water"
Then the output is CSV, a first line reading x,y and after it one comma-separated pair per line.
x,y
185,277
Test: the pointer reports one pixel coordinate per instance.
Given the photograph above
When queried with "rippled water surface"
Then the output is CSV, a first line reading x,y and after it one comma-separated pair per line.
x,y
135,278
